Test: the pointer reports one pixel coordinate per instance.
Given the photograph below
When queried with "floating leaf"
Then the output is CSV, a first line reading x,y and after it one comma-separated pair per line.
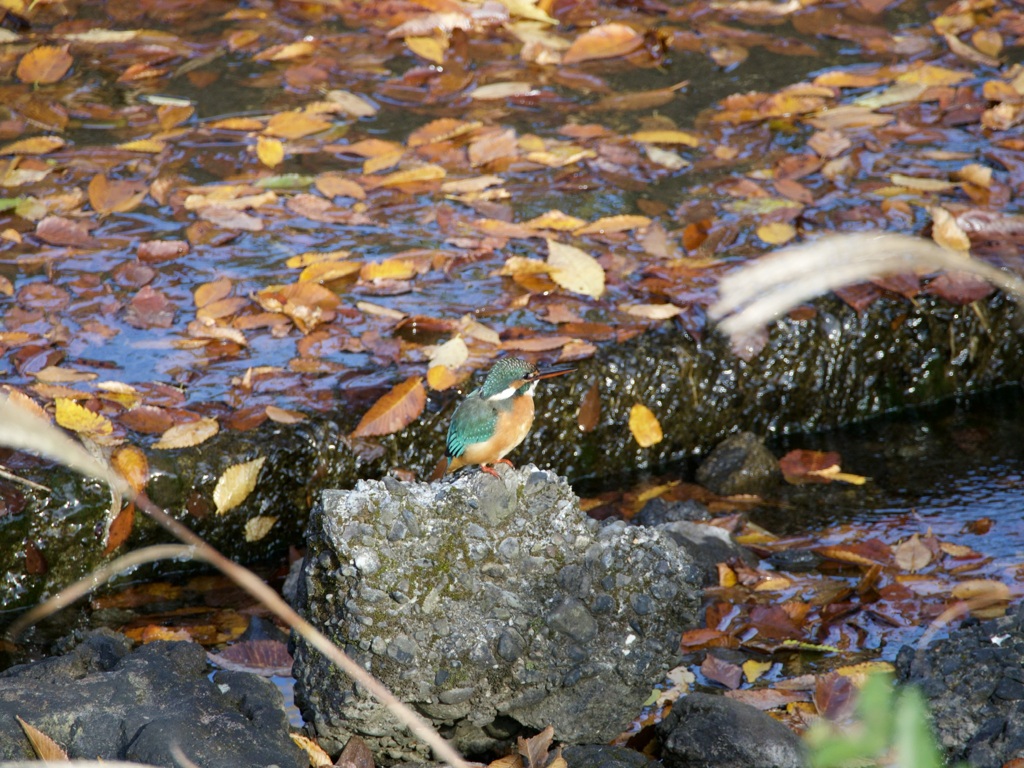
x,y
132,465
430,47
45,64
78,418
269,151
235,484
776,232
398,408
36,145
604,41
115,196
590,409
912,555
574,269
187,435
610,224
645,426
666,137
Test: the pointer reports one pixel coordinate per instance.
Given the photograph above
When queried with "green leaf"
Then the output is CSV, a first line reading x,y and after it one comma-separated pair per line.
x,y
286,181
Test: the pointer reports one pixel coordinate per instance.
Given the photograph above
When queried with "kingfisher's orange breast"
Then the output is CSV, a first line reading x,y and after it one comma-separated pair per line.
x,y
513,425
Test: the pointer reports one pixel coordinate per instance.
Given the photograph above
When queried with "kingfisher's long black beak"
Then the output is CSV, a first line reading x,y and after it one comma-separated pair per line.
x,y
549,373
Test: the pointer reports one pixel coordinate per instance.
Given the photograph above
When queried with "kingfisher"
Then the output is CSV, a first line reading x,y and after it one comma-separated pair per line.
x,y
495,418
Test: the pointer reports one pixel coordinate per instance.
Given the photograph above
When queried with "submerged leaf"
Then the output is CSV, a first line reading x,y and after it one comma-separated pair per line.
x,y
395,410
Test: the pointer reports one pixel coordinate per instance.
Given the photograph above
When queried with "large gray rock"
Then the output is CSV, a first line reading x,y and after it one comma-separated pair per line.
x,y
103,700
488,604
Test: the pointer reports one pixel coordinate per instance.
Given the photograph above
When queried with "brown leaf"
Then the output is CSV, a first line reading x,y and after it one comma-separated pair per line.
x,y
120,529
912,555
723,672
590,409
149,308
45,64
58,230
262,657
802,466
208,293
959,288
604,41
535,749
44,747
35,560
866,553
833,695
153,251
395,410
115,196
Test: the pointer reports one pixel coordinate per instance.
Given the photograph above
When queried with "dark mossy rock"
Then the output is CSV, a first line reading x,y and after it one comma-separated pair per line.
x,y
833,367
740,464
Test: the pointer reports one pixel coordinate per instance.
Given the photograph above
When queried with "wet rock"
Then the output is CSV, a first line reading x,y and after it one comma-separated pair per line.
x,y
603,756
102,699
489,605
658,511
708,545
795,560
740,464
974,683
707,731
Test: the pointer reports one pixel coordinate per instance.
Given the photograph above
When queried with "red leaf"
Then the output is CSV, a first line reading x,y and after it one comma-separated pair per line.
x,y
833,695
723,672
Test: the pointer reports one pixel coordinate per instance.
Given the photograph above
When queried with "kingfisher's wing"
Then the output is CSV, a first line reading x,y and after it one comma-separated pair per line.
x,y
474,421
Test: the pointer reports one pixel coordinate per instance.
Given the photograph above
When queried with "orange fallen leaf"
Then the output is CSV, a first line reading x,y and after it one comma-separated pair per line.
x,y
610,224
604,41
115,195
45,64
132,465
395,410
35,145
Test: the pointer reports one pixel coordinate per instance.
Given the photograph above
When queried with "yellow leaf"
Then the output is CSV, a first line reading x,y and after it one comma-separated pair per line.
x,y
505,90
776,232
604,41
393,412
922,184
610,224
235,484
574,269
326,271
70,415
427,172
295,125
556,220
389,269
429,48
752,669
644,426
149,146
441,377
930,75
238,124
36,145
258,527
527,9
452,354
315,257
269,151
651,311
188,435
317,757
666,137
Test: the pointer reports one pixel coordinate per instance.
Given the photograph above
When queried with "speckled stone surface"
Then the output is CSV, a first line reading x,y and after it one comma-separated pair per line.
x,y
488,604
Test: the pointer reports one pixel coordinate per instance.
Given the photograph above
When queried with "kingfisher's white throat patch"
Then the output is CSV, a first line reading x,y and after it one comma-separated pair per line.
x,y
506,393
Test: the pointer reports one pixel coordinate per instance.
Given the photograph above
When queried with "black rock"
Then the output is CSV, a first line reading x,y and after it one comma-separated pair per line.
x,y
103,700
707,731
491,606
740,464
974,683
602,756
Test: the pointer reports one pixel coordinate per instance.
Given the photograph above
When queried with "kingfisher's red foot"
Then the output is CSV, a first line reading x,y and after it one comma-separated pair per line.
x,y
505,461
489,470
